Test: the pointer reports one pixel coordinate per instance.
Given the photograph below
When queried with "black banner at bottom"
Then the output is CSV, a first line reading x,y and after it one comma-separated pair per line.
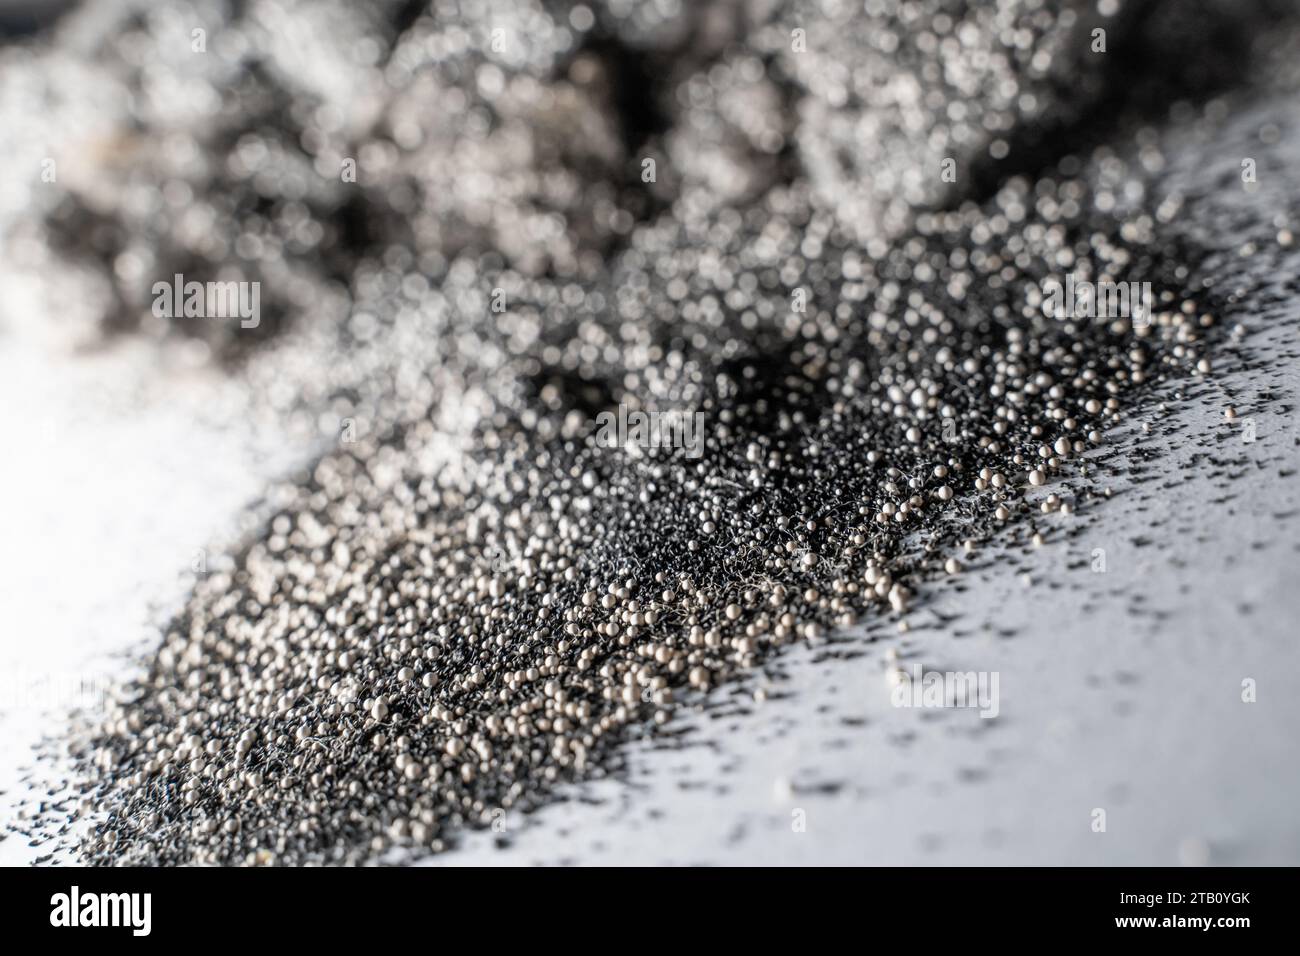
x,y
340,906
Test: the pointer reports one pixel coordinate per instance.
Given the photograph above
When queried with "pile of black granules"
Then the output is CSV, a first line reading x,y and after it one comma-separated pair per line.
x,y
502,571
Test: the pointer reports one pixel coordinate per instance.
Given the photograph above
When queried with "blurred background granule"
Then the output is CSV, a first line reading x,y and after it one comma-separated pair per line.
x,y
211,138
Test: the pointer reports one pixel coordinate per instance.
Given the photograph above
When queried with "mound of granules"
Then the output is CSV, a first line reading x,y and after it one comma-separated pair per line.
x,y
481,592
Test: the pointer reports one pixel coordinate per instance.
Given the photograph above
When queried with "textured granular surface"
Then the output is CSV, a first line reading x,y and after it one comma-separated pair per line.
x,y
473,597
